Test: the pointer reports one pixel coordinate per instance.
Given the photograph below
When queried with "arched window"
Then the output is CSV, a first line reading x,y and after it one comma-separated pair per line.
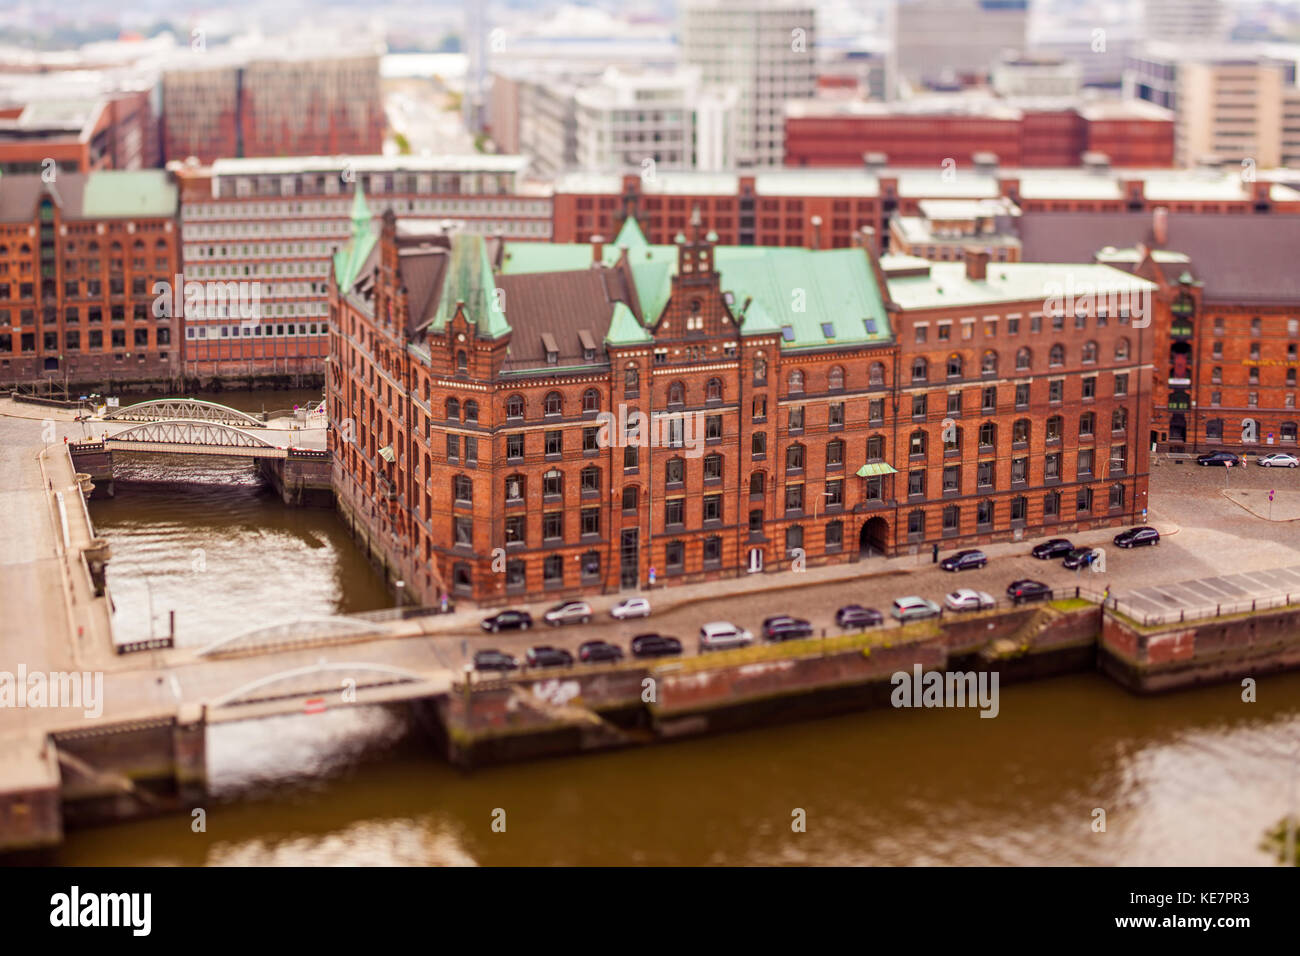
x,y
1119,419
591,400
1057,355
712,467
1024,358
988,435
760,370
989,364
515,489
954,365
1087,424
515,406
453,410
916,443
713,390
631,380
877,374
1121,350
920,369
554,403
1052,431
1089,354
951,438
757,483
1020,431
553,483
796,381
462,362
589,480
676,393
794,457
471,411
835,381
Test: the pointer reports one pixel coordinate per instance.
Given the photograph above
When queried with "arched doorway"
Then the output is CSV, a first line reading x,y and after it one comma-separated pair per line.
x,y
873,539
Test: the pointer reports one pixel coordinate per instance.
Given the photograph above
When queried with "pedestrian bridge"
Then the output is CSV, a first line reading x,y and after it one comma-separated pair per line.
x,y
190,437
190,409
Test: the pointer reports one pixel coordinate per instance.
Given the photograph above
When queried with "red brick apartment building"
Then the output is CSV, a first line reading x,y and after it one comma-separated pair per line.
x,y
79,258
817,405
1225,361
270,226
81,135
828,209
306,105
1030,133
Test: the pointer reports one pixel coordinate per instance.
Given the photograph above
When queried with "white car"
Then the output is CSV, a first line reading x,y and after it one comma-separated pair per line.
x,y
567,613
630,607
1279,459
968,599
723,635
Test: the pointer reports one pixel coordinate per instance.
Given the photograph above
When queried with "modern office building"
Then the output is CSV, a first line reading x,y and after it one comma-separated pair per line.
x,y
941,43
78,134
80,262
765,50
626,413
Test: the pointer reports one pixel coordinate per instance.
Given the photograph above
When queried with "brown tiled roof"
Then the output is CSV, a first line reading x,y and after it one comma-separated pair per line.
x,y
564,306
1241,257
20,192
422,269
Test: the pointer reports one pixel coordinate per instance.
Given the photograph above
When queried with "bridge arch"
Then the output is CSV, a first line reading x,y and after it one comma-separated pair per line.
x,y
288,633
314,679
193,409
190,432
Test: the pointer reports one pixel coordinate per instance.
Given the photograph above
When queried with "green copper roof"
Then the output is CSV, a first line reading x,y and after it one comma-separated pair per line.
x,y
122,193
624,329
469,279
772,288
349,260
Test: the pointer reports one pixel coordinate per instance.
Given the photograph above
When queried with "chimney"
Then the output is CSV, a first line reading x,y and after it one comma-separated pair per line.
x,y
866,238
816,232
1096,162
985,163
1160,226
597,249
977,263
874,162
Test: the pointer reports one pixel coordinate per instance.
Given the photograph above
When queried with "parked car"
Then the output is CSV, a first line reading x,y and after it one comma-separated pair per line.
x,y
914,608
543,655
493,660
593,652
968,599
723,635
655,645
1028,590
1278,459
1052,548
630,607
1137,537
567,612
855,615
1218,458
965,560
785,628
508,620
1080,558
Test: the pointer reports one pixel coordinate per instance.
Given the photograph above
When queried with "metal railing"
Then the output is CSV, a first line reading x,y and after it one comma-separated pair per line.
x,y
1183,615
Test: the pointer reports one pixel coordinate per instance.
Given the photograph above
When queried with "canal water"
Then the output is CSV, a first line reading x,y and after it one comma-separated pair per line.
x,y
1189,778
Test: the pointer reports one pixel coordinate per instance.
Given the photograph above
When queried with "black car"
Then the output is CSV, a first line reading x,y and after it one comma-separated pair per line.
x,y
508,620
855,615
1218,458
655,645
593,652
546,656
491,660
1053,548
786,628
1027,590
1137,537
964,560
1080,558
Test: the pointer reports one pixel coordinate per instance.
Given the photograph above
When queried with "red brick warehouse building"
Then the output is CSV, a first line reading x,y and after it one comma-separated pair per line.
x,y
845,407
79,259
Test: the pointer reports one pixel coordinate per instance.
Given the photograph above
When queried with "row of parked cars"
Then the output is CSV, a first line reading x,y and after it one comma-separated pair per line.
x,y
591,652
566,612
1224,459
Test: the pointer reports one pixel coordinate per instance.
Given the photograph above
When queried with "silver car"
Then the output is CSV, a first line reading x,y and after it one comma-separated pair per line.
x,y
1278,459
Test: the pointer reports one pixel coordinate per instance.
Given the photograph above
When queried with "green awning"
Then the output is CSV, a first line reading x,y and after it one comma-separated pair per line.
x,y
876,468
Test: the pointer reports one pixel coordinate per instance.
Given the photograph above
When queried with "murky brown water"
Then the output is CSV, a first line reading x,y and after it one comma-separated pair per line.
x,y
1190,778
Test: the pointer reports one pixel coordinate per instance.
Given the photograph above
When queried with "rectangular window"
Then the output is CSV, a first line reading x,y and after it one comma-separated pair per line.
x,y
835,415
794,498
713,507
952,479
554,442
1056,390
984,475
514,446
916,484
1090,386
1121,383
553,526
1084,469
674,511
591,521
876,411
